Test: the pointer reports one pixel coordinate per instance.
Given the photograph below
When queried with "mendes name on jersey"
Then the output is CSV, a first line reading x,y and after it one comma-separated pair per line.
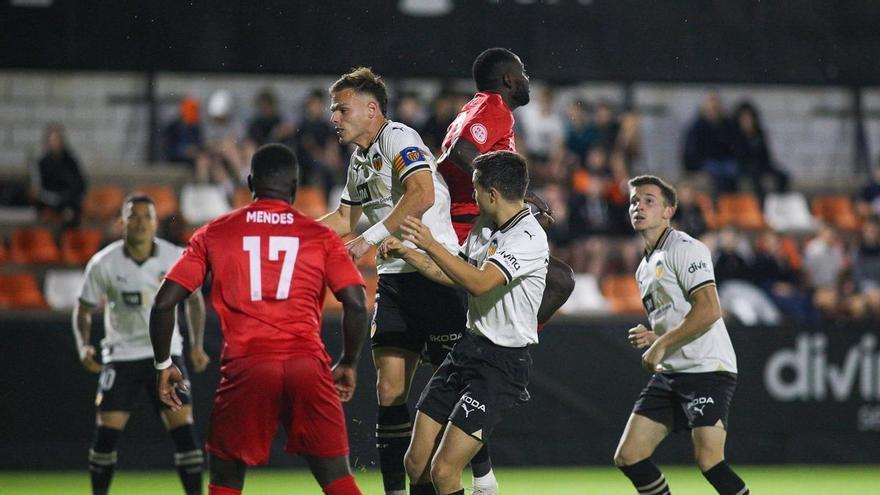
x,y
508,314
678,266
375,183
129,289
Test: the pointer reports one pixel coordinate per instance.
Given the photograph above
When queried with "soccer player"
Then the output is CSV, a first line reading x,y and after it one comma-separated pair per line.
x,y
270,264
126,274
486,124
503,267
688,349
392,175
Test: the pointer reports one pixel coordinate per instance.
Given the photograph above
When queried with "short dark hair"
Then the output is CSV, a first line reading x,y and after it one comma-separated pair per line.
x,y
274,162
135,198
668,192
364,80
505,171
488,68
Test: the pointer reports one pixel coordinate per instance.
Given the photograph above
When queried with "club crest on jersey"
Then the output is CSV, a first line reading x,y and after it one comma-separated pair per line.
x,y
412,155
479,133
658,271
377,163
493,246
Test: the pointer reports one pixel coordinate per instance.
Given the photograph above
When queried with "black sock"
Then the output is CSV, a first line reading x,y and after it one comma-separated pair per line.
x,y
645,476
460,492
102,459
188,458
423,489
393,431
725,481
481,464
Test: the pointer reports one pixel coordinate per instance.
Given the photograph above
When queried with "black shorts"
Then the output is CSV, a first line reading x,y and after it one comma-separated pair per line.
x,y
476,383
120,383
418,315
684,401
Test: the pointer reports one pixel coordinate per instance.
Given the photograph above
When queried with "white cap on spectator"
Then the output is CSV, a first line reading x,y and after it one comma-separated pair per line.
x,y
220,104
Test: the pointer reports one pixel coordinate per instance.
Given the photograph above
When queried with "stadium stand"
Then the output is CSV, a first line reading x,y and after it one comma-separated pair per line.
x,y
103,202
78,245
33,245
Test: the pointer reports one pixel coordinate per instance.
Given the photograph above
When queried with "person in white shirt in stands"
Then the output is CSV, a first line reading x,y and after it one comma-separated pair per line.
x,y
503,267
688,349
126,275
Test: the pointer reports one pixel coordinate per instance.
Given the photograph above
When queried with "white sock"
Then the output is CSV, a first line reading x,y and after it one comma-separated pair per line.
x,y
487,481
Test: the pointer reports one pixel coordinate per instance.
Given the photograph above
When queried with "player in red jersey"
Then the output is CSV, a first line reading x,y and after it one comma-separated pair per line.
x,y
486,124
270,264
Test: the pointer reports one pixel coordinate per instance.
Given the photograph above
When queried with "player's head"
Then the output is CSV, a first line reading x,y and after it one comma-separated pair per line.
x,y
359,105
499,176
274,172
652,202
501,70
139,219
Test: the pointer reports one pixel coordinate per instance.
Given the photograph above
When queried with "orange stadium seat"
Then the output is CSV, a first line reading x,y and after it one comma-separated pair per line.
x,y
164,197
78,245
241,197
709,215
622,294
103,202
20,291
311,201
33,245
837,210
741,210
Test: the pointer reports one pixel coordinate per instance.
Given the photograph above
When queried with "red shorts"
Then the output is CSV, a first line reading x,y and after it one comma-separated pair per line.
x,y
255,393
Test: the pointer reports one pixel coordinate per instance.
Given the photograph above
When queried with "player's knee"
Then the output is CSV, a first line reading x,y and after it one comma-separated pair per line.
x,y
442,470
706,459
390,392
415,464
626,457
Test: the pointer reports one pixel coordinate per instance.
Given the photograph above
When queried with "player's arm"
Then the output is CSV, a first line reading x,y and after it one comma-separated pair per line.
x,y
161,330
81,321
343,219
705,310
392,247
195,320
354,332
462,155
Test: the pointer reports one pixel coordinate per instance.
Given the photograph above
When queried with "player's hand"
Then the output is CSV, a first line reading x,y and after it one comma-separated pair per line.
x,y
545,213
88,359
357,247
200,360
652,358
168,382
417,232
344,379
640,337
392,247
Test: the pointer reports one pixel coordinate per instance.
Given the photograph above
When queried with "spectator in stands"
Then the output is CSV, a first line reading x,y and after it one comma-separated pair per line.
x,y
409,110
689,216
542,128
627,145
320,155
824,256
266,124
225,158
709,146
606,125
182,138
730,261
868,200
753,151
741,298
443,112
58,182
580,132
773,271
865,258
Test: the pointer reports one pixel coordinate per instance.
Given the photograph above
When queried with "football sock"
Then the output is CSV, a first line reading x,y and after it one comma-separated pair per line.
x,y
647,479
725,481
188,458
102,459
343,486
481,464
222,490
460,492
393,431
423,489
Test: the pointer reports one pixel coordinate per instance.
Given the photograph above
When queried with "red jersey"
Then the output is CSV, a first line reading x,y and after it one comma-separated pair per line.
x,y
270,265
486,122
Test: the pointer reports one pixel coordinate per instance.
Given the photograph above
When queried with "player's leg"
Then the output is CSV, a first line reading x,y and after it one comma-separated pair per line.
x,y
333,474
117,390
395,369
709,456
427,433
485,482
227,476
560,284
456,449
188,456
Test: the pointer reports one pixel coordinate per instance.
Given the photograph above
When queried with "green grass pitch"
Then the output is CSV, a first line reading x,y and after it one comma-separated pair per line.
x,y
684,480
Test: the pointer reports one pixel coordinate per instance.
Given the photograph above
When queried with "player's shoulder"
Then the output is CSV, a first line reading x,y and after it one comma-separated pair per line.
x,y
678,241
167,248
395,134
107,253
490,103
524,227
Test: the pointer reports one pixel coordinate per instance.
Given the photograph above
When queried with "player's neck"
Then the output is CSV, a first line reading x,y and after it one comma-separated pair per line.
x,y
139,251
372,133
506,211
652,236
273,195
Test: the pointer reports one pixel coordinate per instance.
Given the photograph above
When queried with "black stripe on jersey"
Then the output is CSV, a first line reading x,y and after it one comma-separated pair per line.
x,y
700,286
411,170
349,202
660,241
509,224
462,256
507,276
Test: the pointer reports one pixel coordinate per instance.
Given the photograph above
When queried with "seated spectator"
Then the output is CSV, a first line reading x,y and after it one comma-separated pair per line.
x,y
753,151
865,258
580,133
709,146
773,272
543,133
58,182
409,110
265,125
182,138
319,151
868,200
730,261
689,216
607,126
825,256
225,158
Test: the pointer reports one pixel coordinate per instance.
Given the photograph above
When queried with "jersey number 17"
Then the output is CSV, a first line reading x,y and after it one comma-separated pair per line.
x,y
277,244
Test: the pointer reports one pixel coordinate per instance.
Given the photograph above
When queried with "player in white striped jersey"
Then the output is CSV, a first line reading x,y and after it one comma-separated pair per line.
x,y
687,347
503,266
126,275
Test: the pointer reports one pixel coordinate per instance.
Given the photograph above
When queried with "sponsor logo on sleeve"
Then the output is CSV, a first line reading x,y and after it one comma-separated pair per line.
x,y
479,133
511,260
697,266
